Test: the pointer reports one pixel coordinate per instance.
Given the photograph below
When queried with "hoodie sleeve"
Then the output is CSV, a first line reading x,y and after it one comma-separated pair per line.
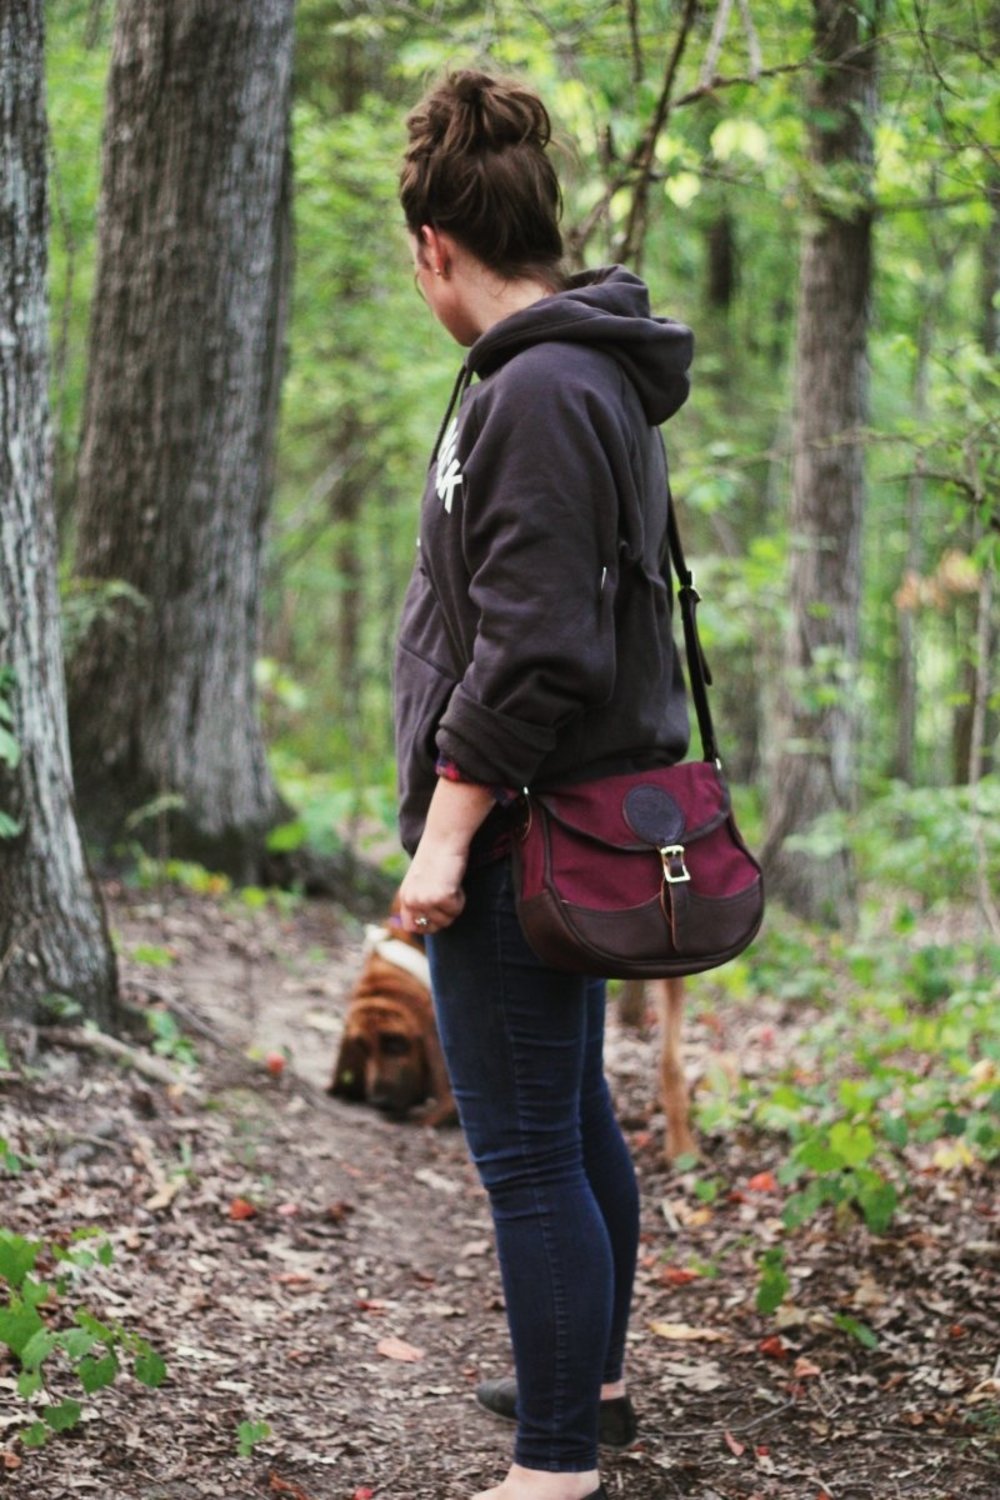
x,y
543,482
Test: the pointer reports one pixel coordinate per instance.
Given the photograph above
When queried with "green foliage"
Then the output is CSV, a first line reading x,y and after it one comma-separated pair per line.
x,y
170,1041
10,1162
93,1350
249,1434
774,1283
152,874
86,602
370,370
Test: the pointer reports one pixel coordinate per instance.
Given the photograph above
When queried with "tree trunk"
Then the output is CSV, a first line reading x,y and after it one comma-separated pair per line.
x,y
815,739
175,469
53,936
905,684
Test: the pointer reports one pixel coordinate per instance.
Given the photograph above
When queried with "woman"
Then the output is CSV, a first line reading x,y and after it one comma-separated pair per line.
x,y
534,648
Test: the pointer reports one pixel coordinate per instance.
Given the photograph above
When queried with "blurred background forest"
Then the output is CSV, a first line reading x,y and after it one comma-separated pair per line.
x,y
244,388
731,187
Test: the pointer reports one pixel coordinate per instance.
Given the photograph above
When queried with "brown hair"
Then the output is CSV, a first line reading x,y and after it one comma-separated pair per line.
x,y
476,167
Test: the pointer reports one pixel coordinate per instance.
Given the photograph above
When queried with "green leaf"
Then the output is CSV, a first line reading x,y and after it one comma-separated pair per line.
x,y
77,1343
35,1436
17,1257
38,1348
878,1200
150,1369
854,1143
249,1434
287,837
10,750
18,1326
774,1283
859,1331
818,1156
801,1206
62,1417
93,1325
35,1292
29,1383
95,1374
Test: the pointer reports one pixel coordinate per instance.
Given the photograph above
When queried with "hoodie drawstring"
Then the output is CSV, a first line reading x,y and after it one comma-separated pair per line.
x,y
462,383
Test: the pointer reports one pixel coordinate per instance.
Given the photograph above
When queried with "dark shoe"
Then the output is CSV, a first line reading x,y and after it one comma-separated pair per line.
x,y
616,1423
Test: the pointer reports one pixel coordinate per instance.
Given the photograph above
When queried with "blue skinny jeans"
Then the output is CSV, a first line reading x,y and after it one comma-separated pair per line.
x,y
524,1046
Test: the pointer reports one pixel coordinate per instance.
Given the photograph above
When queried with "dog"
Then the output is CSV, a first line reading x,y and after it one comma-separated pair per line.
x,y
390,1056
668,997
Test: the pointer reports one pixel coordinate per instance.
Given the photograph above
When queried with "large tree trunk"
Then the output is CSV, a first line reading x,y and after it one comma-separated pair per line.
x,y
53,936
175,470
815,739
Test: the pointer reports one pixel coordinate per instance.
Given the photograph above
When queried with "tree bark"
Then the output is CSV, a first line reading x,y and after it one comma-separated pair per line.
x,y
53,935
175,471
815,739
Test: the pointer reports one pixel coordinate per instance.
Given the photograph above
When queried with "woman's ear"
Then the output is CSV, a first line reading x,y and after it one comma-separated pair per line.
x,y
437,249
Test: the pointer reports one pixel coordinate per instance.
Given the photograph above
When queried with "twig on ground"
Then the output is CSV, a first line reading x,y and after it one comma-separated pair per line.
x,y
81,1039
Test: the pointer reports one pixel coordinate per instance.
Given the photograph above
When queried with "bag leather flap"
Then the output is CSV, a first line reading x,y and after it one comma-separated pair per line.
x,y
639,810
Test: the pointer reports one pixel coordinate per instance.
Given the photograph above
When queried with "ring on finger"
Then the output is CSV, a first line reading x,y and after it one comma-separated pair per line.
x,y
422,922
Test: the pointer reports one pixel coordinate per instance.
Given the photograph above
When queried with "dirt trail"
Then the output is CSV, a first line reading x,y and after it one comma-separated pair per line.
x,y
357,1304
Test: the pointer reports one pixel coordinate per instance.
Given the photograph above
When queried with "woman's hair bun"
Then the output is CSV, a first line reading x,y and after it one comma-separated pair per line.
x,y
476,165
487,113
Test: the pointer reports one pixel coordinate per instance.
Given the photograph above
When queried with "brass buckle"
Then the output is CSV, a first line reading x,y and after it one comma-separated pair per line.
x,y
671,856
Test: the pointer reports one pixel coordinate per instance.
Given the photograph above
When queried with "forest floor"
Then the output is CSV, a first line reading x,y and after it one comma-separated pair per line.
x,y
309,1265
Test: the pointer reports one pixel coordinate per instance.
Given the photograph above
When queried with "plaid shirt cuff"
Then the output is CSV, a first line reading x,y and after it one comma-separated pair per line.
x,y
503,796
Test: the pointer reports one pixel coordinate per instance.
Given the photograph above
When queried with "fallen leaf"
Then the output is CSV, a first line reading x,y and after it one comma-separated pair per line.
x,y
733,1444
803,1368
437,1181
393,1348
280,1486
678,1275
956,1155
774,1346
763,1182
288,1210
363,1493
241,1208
339,1211
986,1390
9,1460
685,1333
677,1211
164,1195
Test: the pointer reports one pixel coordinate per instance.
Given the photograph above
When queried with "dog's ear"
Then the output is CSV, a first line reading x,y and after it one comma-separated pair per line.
x,y
348,1081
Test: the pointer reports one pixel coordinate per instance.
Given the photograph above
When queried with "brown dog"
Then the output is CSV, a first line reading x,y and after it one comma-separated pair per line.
x,y
390,1056
668,996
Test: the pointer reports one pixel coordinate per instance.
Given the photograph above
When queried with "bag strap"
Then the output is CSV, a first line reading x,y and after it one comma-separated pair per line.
x,y
699,676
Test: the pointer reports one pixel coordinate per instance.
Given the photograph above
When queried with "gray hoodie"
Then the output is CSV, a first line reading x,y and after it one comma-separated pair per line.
x,y
535,644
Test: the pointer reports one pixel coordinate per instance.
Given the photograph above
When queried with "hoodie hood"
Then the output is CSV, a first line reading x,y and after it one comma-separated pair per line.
x,y
607,309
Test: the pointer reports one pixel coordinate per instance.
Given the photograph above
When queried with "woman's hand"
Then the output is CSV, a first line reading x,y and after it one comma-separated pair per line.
x,y
431,896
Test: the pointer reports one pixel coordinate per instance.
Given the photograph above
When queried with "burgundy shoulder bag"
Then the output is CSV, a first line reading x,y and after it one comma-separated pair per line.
x,y
642,875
